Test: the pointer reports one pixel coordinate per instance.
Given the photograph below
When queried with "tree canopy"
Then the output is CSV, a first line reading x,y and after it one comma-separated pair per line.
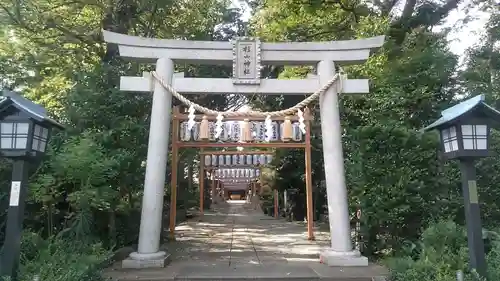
x,y
91,181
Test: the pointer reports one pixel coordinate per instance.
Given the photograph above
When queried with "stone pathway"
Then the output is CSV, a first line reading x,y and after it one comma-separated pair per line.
x,y
235,242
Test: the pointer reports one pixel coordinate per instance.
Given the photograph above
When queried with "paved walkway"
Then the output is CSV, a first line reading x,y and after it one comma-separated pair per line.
x,y
235,242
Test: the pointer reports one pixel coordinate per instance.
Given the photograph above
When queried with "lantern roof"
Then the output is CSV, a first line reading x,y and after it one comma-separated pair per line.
x,y
33,110
453,114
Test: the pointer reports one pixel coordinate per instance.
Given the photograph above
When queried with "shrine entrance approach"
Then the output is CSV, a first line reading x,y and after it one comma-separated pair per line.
x,y
206,131
247,55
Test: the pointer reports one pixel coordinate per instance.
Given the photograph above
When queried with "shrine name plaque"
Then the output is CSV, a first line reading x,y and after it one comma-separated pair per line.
x,y
246,60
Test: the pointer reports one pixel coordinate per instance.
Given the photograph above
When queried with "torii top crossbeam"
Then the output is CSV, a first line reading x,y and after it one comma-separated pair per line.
x,y
211,52
206,52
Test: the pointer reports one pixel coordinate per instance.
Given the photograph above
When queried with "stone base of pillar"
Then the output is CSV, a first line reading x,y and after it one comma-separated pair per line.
x,y
333,258
155,260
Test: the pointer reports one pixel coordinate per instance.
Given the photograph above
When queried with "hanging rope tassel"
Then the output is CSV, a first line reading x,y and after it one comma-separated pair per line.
x,y
204,130
287,129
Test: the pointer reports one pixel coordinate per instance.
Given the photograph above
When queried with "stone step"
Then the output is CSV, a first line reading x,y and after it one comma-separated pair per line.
x,y
236,272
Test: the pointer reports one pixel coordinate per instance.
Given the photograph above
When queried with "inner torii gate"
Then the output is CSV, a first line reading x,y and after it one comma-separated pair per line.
x,y
246,56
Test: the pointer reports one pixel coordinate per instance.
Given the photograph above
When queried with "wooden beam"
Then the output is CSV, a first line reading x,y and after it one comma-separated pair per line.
x,y
201,184
276,204
232,144
173,181
225,86
308,174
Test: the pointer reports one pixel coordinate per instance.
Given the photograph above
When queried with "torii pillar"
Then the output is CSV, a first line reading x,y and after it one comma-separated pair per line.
x,y
246,55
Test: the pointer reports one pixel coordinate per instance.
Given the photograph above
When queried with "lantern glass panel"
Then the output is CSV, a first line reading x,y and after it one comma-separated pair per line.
x,y
475,137
40,135
14,135
450,140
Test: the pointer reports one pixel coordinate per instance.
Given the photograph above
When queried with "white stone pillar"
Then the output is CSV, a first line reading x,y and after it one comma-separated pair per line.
x,y
341,252
148,252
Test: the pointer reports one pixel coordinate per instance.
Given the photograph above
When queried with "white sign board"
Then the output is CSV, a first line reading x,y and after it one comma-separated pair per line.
x,y
15,190
246,61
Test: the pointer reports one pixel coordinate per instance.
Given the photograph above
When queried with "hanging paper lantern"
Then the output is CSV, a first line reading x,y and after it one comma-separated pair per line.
x,y
262,159
214,160
257,173
269,159
287,129
196,132
235,131
228,160
226,131
275,129
185,133
252,173
208,160
249,159
211,130
296,132
235,160
255,159
241,160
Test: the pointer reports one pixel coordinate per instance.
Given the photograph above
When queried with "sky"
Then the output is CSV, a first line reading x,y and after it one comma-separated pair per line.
x,y
467,34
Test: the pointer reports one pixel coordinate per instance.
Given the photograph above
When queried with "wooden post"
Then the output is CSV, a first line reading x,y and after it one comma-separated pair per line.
x,y
309,193
202,181
214,190
276,203
173,180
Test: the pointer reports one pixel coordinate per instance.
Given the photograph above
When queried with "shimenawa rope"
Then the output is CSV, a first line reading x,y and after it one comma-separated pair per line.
x,y
285,112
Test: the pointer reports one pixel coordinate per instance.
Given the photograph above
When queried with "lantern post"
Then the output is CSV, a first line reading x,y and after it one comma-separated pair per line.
x,y
25,129
464,131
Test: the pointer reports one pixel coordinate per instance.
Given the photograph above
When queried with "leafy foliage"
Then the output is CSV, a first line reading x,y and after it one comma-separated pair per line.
x,y
90,185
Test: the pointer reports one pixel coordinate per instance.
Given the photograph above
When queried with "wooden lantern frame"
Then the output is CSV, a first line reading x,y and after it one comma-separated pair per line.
x,y
178,117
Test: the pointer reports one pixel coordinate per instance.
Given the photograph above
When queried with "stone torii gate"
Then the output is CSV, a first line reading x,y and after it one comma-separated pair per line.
x,y
246,55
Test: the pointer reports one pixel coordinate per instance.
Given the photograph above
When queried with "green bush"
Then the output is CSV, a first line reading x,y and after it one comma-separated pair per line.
x,y
59,259
439,254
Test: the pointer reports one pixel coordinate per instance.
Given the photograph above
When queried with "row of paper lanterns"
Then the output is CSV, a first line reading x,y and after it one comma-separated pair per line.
x,y
237,173
237,160
232,131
